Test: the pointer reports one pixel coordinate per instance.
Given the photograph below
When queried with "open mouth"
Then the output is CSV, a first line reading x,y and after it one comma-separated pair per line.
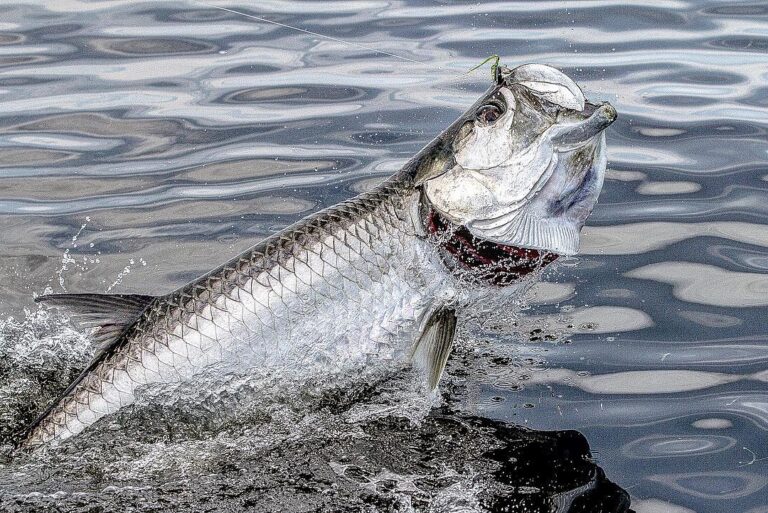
x,y
589,109
480,259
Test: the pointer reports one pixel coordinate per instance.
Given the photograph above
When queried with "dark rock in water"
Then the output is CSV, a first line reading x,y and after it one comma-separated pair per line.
x,y
515,469
448,462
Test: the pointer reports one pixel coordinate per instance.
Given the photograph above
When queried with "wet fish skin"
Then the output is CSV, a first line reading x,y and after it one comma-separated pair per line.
x,y
361,263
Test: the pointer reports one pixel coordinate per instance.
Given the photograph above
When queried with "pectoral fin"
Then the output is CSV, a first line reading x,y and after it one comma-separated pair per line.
x,y
434,344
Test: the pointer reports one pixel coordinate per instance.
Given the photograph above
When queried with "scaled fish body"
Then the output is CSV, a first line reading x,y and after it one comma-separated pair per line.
x,y
500,193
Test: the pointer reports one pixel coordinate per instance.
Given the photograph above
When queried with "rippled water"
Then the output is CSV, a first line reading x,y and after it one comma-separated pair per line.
x,y
143,143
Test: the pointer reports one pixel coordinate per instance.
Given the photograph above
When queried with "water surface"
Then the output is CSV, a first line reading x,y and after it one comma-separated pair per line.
x,y
144,143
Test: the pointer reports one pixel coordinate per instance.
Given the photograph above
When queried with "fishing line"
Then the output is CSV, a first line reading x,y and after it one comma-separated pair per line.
x,y
316,34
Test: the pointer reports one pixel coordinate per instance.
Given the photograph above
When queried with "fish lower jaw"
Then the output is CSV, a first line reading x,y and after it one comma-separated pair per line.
x,y
556,236
481,259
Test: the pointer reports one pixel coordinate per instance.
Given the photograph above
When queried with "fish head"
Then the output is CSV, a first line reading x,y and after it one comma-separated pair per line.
x,y
525,164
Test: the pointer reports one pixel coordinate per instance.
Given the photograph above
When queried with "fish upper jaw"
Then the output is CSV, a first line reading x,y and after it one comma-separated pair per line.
x,y
547,83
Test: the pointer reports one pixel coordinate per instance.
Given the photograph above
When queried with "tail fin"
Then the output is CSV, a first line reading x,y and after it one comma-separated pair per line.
x,y
111,315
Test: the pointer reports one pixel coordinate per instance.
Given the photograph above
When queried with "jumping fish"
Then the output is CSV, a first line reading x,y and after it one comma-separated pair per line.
x,y
502,192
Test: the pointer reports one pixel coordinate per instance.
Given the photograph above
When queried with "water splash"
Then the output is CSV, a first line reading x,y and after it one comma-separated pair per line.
x,y
39,357
68,260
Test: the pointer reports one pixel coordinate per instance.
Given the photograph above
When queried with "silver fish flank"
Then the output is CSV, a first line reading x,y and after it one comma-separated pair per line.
x,y
381,277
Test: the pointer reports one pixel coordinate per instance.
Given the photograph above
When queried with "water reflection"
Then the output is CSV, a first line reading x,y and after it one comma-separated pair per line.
x,y
662,446
714,485
695,283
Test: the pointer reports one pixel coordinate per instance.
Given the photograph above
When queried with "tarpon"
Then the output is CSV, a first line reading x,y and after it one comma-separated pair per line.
x,y
500,193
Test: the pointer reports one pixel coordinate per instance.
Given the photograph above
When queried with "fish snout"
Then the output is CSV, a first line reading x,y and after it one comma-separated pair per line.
x,y
596,118
606,115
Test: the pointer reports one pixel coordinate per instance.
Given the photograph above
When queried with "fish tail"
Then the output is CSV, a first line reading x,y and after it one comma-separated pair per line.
x,y
100,389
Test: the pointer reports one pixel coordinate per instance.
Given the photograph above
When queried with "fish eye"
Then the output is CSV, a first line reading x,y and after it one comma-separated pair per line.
x,y
489,113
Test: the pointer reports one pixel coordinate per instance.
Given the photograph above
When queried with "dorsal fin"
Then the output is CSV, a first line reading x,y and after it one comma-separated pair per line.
x,y
110,314
434,344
